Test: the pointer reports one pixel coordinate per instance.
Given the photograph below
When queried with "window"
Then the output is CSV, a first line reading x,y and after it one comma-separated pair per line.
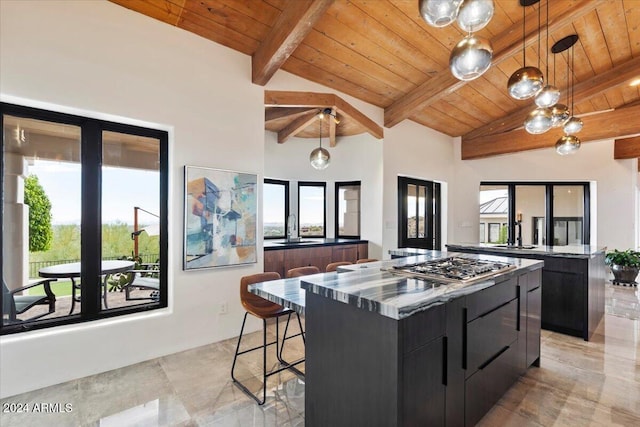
x,y
494,232
275,208
97,192
311,209
538,213
418,213
348,209
483,237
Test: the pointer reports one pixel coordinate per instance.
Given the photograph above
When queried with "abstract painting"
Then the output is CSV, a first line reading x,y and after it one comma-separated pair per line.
x,y
219,218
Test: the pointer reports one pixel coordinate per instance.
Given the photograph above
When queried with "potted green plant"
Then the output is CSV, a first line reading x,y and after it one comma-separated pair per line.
x,y
624,265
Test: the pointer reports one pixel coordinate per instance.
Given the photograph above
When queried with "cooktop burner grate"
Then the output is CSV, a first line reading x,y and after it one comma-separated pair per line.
x,y
453,269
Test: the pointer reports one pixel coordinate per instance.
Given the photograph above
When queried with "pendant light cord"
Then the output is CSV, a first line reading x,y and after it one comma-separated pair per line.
x,y
539,37
524,24
547,41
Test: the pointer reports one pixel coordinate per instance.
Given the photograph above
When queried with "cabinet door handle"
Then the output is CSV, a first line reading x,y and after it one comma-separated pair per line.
x,y
518,309
494,357
444,360
464,338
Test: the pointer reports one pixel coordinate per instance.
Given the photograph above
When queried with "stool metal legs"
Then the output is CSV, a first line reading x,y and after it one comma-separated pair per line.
x,y
265,374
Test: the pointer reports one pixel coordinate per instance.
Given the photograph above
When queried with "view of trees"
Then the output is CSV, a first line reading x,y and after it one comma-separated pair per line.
x,y
40,232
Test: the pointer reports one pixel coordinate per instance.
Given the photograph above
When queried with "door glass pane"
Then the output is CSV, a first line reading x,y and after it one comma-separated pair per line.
x,y
130,219
412,230
422,197
494,210
568,214
274,206
530,204
41,216
311,207
348,210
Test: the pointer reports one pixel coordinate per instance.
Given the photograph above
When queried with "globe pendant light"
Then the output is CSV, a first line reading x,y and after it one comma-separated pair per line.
x,y
568,144
549,95
439,13
538,121
573,125
320,157
474,15
560,115
470,58
525,82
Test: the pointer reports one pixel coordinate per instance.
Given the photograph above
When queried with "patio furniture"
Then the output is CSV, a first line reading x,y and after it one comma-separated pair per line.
x,y
264,309
334,265
14,305
303,271
143,280
73,271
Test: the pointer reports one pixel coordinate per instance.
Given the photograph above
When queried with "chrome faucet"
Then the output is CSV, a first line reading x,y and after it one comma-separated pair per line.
x,y
291,227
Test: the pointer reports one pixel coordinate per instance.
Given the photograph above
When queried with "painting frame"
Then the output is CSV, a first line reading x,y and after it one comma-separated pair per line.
x,y
220,218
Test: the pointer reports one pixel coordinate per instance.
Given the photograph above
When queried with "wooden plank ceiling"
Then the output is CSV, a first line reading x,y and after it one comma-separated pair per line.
x,y
382,52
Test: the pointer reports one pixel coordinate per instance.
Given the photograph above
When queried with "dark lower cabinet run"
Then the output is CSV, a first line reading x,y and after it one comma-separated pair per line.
x,y
447,365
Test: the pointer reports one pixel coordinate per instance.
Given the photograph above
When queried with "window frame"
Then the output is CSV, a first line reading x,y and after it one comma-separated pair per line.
x,y
549,186
91,219
433,232
337,186
286,206
323,185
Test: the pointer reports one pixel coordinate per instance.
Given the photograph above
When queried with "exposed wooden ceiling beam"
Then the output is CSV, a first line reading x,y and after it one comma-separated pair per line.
x,y
273,98
617,123
297,125
332,129
289,30
584,91
274,113
626,148
506,44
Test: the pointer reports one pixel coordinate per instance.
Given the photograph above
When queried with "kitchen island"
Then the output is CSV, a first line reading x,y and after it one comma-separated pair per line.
x,y
573,283
388,350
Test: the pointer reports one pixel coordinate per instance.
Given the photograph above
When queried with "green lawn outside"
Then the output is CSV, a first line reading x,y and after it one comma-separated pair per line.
x,y
59,288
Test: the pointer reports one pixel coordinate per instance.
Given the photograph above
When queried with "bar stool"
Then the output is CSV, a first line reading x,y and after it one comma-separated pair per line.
x,y
303,271
334,265
264,309
364,260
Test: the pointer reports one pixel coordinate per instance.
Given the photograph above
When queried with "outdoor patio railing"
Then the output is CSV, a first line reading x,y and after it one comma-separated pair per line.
x,y
35,266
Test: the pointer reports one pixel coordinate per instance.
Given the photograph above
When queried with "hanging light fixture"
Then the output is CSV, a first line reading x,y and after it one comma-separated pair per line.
x,y
470,58
474,15
320,157
568,143
549,95
561,113
439,13
527,81
538,121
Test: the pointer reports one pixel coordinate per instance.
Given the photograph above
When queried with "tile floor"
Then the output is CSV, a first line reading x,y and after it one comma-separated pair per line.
x,y
595,383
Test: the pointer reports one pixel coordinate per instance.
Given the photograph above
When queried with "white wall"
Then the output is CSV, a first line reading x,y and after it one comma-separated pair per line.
x,y
413,150
98,57
354,158
613,201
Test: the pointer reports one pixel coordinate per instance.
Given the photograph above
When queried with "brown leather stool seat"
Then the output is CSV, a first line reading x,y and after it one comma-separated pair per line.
x,y
303,271
334,265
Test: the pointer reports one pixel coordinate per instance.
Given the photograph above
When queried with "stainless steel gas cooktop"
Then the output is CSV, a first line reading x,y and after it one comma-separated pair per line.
x,y
452,269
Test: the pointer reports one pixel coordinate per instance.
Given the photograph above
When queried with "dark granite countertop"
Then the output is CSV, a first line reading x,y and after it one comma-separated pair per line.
x,y
570,251
379,291
305,242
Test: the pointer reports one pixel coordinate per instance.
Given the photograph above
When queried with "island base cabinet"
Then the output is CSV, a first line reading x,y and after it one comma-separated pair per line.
x,y
485,387
534,309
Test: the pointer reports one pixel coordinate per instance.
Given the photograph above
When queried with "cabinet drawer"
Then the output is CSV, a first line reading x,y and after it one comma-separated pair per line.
x,y
423,327
488,385
488,299
489,334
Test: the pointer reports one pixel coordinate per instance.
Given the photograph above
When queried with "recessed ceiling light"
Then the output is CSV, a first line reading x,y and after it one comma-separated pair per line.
x,y
635,82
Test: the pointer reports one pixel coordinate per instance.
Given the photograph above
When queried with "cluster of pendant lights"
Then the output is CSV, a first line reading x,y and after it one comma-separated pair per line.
x,y
471,57
320,157
528,82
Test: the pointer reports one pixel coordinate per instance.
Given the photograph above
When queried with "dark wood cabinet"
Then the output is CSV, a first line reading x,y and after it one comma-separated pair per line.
x,y
572,292
447,365
282,260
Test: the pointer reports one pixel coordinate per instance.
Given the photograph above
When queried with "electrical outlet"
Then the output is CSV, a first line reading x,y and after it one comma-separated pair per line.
x,y
224,308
